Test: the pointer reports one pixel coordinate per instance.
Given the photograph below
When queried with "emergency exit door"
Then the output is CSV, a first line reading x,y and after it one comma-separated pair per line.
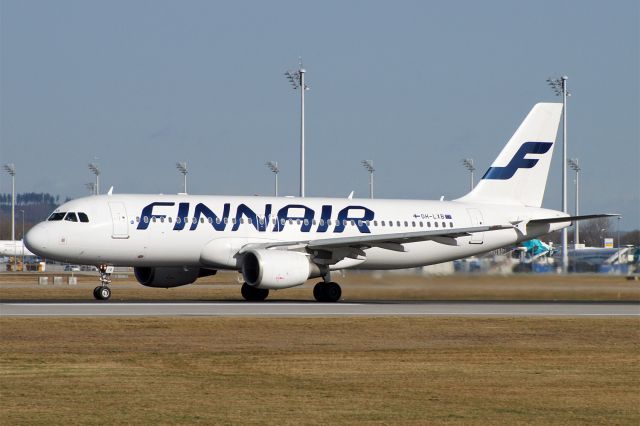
x,y
476,220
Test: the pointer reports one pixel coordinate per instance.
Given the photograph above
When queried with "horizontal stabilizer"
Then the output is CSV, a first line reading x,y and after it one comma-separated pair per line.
x,y
573,218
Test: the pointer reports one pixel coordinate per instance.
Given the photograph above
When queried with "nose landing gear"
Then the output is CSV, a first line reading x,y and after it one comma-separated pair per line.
x,y
103,292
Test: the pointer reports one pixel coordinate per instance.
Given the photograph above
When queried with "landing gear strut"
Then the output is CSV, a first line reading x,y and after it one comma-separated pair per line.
x,y
103,292
253,294
327,291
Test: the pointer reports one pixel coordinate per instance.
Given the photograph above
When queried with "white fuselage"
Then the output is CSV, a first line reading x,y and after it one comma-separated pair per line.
x,y
151,230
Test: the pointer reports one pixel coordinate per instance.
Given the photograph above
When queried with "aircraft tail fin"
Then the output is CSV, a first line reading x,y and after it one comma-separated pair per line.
x,y
518,176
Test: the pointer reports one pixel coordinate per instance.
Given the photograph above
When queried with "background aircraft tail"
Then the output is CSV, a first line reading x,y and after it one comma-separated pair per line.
x,y
519,175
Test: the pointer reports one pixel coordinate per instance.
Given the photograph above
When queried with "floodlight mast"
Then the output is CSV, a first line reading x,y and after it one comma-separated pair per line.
x,y
575,165
273,165
468,163
11,169
95,169
182,168
559,86
296,78
368,164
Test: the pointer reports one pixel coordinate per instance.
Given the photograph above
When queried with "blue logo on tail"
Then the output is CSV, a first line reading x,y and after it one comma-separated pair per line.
x,y
518,161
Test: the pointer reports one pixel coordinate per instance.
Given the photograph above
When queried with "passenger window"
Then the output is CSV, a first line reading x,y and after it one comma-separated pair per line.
x,y
428,224
450,224
233,220
444,225
146,219
306,221
413,224
398,223
226,220
170,219
202,220
178,220
406,224
375,223
421,225
390,223
242,220
344,222
162,220
249,221
298,221
137,218
218,220
435,224
153,219
186,220
84,218
71,217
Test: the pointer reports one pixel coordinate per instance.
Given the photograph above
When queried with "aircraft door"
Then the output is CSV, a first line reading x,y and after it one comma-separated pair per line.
x,y
119,217
476,220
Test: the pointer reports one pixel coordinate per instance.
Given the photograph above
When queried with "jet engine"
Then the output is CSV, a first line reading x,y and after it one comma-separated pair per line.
x,y
170,277
276,269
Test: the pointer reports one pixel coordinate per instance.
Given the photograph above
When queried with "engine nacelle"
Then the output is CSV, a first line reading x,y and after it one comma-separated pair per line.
x,y
277,269
169,277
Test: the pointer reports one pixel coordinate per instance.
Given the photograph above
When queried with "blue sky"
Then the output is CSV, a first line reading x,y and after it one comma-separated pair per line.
x,y
413,86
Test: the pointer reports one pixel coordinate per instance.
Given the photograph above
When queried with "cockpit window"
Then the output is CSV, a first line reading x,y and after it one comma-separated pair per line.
x,y
56,216
71,217
83,217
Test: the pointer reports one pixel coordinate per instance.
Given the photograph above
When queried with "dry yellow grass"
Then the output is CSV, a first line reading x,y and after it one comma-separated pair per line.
x,y
320,370
356,286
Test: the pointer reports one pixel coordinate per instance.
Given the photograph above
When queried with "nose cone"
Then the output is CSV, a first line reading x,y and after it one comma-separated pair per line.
x,y
37,240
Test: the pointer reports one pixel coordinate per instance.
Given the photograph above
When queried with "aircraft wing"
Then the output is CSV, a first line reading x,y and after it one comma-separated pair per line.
x,y
391,241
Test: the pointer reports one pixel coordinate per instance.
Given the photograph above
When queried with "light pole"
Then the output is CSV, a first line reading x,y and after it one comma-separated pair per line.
x,y
296,78
368,164
575,165
95,169
22,211
273,165
468,163
559,86
182,168
11,169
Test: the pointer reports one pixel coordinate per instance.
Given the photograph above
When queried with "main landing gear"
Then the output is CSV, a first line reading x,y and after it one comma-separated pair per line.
x,y
103,292
327,291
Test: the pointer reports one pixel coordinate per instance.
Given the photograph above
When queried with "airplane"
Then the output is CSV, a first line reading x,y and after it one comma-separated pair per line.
x,y
14,248
281,242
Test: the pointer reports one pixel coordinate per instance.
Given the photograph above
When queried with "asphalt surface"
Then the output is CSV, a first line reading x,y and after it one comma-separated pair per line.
x,y
284,309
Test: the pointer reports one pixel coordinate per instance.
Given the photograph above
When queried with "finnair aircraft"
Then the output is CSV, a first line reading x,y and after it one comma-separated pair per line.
x,y
14,248
277,243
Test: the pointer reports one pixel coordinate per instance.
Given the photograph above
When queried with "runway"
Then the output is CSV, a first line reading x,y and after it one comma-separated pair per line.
x,y
301,309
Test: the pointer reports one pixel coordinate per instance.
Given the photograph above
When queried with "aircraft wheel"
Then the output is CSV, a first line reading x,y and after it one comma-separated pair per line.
x,y
333,292
318,292
253,294
327,292
102,293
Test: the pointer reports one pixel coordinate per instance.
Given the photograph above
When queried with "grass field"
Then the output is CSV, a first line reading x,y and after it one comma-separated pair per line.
x,y
320,370
388,370
356,286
